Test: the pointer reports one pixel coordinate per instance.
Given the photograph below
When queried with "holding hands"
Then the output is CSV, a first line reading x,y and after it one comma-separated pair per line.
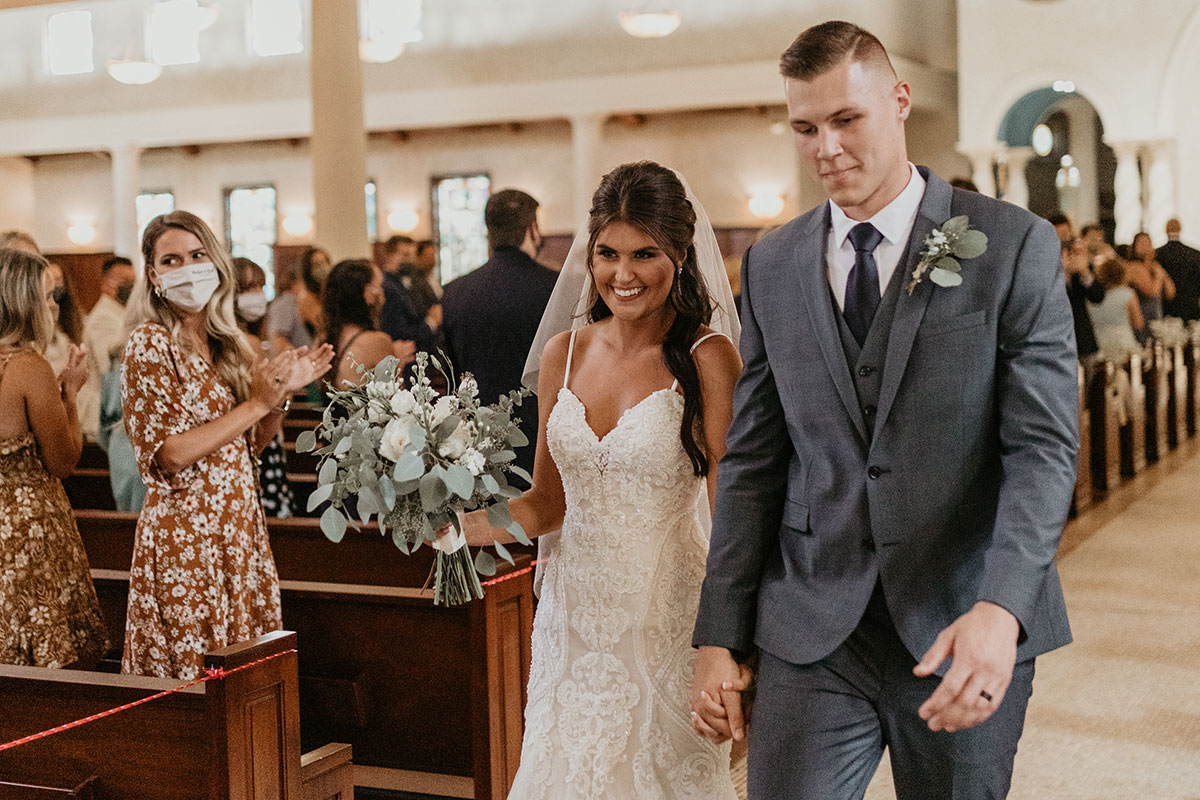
x,y
983,644
717,687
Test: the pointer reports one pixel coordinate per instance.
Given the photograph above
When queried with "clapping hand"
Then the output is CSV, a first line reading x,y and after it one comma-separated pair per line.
x,y
75,373
983,644
717,687
308,366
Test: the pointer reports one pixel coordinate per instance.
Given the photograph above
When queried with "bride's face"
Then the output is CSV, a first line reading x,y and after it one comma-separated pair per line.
x,y
632,273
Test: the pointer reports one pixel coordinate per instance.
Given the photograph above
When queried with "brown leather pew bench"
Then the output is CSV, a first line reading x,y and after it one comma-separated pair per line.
x,y
431,698
1191,359
1177,380
1133,435
237,737
1104,440
1155,374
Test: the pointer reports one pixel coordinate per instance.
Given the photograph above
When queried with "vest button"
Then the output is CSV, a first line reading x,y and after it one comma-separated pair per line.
x,y
869,410
865,372
874,472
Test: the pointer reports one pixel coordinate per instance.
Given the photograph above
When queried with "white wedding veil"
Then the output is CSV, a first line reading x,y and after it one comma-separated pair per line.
x,y
568,307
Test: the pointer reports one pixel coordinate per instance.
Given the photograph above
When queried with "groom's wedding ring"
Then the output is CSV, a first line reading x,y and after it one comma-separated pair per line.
x,y
985,696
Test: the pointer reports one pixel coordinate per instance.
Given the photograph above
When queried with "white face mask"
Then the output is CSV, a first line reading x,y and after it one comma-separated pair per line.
x,y
191,286
252,306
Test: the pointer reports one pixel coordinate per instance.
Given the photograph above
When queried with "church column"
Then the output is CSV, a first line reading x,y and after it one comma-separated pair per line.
x,y
125,184
339,139
1017,190
1127,185
982,161
1160,188
1081,119
586,130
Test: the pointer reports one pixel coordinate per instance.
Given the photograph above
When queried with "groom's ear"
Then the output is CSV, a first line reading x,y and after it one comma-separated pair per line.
x,y
902,94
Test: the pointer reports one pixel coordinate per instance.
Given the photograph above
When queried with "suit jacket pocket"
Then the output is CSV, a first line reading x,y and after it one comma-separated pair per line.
x,y
937,327
795,515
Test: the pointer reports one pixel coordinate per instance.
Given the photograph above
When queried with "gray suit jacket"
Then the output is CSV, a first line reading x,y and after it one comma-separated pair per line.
x,y
958,493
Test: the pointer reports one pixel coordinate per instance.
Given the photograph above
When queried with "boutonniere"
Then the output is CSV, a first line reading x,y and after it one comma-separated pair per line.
x,y
944,247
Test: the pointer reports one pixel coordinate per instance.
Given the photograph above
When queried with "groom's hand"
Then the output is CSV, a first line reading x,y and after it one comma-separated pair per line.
x,y
716,695
983,644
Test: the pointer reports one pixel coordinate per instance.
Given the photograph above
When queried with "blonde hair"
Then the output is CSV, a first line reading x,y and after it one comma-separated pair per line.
x,y
231,354
10,238
25,318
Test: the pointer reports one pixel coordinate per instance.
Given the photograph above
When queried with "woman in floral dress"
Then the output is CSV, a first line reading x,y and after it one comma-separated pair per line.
x,y
49,616
199,406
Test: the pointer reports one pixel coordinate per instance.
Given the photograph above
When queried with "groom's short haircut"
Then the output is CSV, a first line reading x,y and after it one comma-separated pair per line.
x,y
508,215
825,46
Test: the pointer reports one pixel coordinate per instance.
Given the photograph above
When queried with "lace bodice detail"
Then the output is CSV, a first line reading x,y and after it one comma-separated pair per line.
x,y
607,714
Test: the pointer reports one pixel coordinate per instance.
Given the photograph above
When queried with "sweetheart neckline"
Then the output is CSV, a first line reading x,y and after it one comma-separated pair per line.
x,y
602,439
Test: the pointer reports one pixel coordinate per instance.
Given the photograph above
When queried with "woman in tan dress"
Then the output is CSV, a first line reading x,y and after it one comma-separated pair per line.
x,y
199,407
49,616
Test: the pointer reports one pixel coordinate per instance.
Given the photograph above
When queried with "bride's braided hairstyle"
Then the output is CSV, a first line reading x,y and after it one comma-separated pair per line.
x,y
652,199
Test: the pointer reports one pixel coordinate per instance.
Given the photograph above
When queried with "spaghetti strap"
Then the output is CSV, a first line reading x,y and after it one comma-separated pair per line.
x,y
570,352
697,343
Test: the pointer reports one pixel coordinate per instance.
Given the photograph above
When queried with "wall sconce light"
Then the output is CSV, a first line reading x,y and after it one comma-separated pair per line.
x,y
297,223
403,219
650,23
766,206
81,233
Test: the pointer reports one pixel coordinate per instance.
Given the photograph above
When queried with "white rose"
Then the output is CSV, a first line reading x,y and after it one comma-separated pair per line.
x,y
443,408
377,414
468,386
403,403
395,437
474,461
381,390
457,444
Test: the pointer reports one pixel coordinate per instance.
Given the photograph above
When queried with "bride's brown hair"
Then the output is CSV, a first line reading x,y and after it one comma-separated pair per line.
x,y
652,199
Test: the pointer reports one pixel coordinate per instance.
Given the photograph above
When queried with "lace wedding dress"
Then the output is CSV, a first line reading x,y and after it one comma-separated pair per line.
x,y
608,713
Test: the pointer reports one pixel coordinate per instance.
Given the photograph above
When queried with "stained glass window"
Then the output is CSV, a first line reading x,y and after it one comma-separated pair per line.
x,y
251,227
458,204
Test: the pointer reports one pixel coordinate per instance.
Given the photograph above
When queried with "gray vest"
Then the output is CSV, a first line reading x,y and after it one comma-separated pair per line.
x,y
866,363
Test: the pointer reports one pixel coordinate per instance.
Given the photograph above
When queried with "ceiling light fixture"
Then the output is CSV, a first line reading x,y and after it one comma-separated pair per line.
x,y
133,71
650,24
206,15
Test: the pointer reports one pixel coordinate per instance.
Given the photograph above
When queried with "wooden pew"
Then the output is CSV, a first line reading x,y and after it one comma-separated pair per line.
x,y
1155,378
1133,435
431,698
1176,396
1191,359
1105,430
236,738
1081,500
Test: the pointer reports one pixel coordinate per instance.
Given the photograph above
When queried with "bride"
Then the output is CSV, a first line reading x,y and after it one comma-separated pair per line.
x,y
636,378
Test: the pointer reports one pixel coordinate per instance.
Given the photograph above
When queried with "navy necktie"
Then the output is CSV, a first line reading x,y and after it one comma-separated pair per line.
x,y
862,287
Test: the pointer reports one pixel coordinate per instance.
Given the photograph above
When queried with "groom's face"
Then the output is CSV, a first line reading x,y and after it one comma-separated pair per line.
x,y
849,127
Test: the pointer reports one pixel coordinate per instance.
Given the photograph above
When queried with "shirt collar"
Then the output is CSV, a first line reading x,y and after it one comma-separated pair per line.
x,y
893,220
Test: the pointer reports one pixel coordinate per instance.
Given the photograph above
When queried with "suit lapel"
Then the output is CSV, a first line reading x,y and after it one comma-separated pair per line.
x,y
910,309
814,289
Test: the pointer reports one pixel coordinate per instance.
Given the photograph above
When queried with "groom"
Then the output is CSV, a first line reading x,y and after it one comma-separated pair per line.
x,y
898,470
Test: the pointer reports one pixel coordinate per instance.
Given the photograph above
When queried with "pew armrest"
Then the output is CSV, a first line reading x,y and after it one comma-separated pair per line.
x,y
327,773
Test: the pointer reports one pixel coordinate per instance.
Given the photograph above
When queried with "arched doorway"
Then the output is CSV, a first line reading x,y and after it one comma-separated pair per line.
x,y
1068,167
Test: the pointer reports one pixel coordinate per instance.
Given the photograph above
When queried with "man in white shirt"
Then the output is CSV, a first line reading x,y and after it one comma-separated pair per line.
x,y
104,333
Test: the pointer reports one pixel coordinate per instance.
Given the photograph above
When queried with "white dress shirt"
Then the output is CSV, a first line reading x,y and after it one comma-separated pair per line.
x,y
894,221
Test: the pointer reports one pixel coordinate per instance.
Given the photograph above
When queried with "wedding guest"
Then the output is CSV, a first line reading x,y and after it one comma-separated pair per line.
x,y
68,325
1117,318
104,333
1147,277
427,263
406,314
492,314
1082,288
1182,265
294,317
353,298
48,606
1062,226
19,240
199,407
251,306
129,491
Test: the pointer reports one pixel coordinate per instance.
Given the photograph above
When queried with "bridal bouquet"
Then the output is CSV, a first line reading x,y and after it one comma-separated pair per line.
x,y
415,460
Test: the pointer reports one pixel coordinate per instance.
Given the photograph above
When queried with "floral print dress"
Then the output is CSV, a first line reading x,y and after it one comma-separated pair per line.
x,y
49,615
203,576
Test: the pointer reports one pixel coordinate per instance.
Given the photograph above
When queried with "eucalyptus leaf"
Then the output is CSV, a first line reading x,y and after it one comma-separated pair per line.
x,y
343,446
319,495
971,244
328,472
485,563
502,551
498,515
388,490
368,504
416,437
410,467
448,426
400,541
407,487
522,474
433,490
385,370
489,483
306,442
518,438
501,457
948,264
460,481
510,492
518,533
333,524
956,225
944,277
